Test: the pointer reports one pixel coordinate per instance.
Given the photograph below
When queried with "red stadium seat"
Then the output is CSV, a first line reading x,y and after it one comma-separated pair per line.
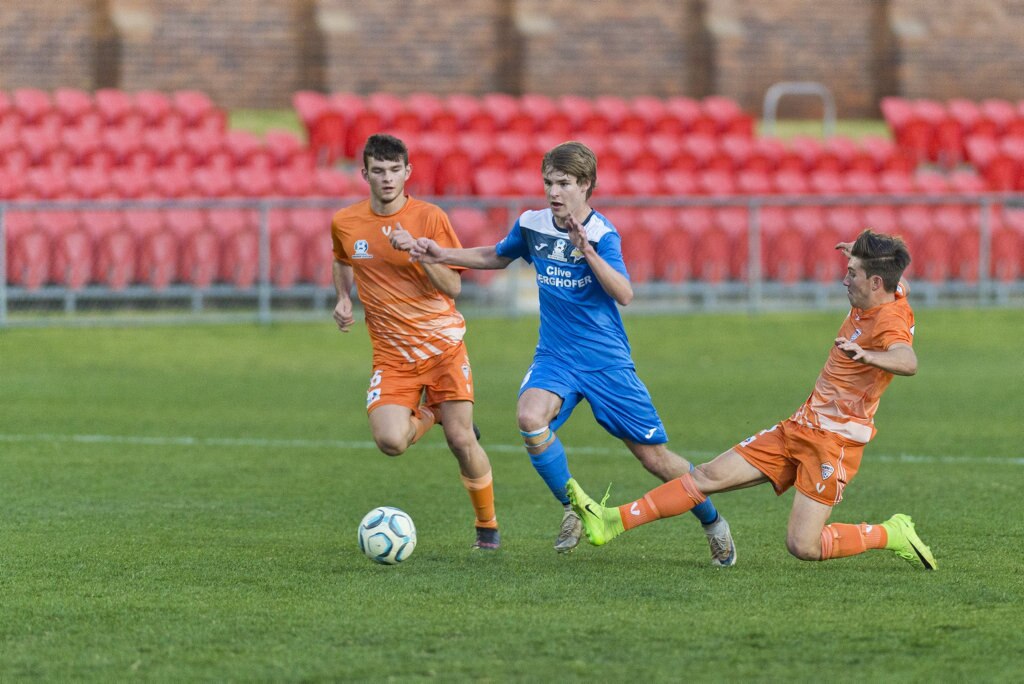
x,y
156,262
71,255
88,183
754,182
198,111
881,218
295,181
198,247
332,183
1001,112
156,108
716,183
72,104
32,105
727,115
826,182
114,248
238,238
791,183
253,182
212,182
45,183
117,108
680,182
28,251
286,149
860,183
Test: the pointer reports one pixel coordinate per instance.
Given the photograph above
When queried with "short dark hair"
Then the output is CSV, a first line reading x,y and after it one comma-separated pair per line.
x,y
573,159
386,148
885,256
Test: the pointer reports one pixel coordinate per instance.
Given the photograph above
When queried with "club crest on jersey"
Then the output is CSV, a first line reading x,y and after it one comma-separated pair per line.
x,y
827,470
362,248
372,396
576,255
558,253
465,370
856,333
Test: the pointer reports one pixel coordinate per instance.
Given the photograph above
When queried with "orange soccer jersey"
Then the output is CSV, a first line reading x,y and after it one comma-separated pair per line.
x,y
408,319
847,392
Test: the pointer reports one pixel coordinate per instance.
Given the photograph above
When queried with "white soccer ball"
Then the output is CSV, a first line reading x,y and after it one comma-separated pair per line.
x,y
387,535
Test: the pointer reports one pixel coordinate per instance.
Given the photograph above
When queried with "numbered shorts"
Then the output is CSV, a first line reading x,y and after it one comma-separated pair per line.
x,y
820,463
619,399
447,377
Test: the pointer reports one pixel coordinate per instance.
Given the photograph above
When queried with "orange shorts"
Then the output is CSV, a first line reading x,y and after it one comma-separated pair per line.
x,y
820,463
447,377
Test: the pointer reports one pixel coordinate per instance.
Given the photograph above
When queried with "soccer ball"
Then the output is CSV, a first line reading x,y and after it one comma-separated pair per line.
x,y
387,535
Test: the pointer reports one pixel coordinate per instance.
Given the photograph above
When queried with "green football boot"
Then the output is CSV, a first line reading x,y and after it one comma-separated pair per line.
x,y
903,540
600,524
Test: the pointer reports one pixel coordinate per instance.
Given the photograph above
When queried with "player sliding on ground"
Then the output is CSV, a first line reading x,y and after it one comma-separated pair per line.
x,y
819,447
583,352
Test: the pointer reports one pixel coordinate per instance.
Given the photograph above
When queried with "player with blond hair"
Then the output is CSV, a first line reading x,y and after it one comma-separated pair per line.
x,y
583,353
818,449
416,331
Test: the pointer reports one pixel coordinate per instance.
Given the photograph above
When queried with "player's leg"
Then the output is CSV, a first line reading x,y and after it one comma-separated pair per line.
x,y
677,496
397,420
474,469
546,400
827,463
623,406
449,387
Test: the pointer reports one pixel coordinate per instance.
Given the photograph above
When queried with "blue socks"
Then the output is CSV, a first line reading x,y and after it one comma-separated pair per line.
x,y
553,467
705,512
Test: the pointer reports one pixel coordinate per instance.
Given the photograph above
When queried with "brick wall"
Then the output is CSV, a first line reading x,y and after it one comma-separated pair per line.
x,y
255,53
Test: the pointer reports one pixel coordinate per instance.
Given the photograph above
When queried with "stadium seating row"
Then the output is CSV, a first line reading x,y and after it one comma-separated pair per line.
x,y
129,146
69,107
160,248
449,164
495,181
205,247
46,183
934,131
338,123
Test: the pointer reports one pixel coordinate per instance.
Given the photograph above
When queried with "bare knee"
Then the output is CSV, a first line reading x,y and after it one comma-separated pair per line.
x,y
391,445
531,418
804,549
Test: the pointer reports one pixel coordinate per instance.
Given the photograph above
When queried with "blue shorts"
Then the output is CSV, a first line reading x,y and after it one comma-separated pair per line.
x,y
620,401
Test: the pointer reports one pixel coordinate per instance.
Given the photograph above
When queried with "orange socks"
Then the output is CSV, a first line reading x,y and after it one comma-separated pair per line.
x,y
672,498
840,540
481,493
423,419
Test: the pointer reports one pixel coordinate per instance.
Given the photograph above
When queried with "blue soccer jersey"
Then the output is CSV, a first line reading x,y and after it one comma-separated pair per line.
x,y
579,322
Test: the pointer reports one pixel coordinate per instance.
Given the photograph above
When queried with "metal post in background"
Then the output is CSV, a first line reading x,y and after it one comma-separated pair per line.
x,y
778,90
3,267
264,314
985,289
754,256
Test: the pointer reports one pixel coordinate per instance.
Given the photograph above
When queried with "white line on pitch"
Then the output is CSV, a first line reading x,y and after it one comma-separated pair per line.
x,y
260,443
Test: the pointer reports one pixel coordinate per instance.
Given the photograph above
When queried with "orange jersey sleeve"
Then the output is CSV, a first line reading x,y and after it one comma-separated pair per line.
x,y
847,392
408,319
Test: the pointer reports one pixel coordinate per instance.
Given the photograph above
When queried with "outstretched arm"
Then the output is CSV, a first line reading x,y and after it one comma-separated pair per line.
x,y
426,251
445,279
614,283
899,359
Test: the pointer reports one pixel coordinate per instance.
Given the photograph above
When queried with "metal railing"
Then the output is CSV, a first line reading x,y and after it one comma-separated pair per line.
x,y
264,302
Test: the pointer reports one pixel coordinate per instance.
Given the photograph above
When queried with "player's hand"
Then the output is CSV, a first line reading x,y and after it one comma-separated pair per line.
x,y
576,234
425,251
343,314
401,238
852,350
845,248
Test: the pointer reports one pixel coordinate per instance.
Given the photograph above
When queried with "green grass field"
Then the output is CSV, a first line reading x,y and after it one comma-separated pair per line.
x,y
180,504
